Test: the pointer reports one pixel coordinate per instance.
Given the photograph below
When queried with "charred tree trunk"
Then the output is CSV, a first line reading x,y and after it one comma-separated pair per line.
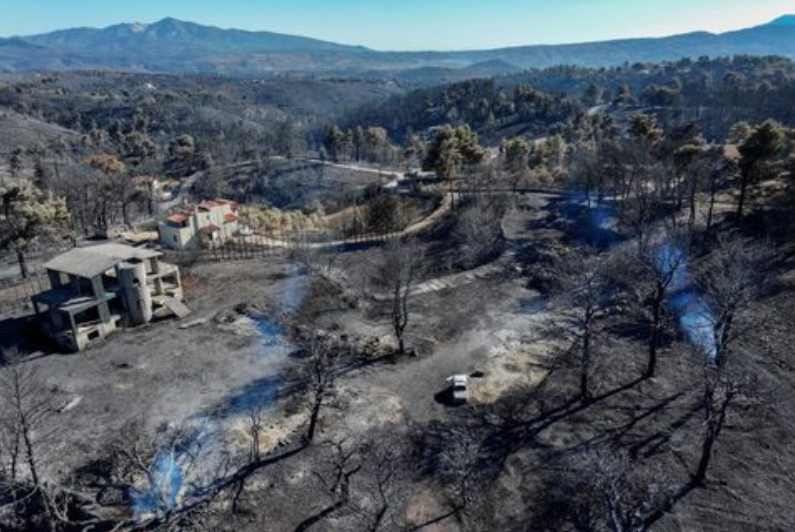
x,y
585,364
23,264
125,213
400,316
656,330
741,200
713,191
692,203
30,456
379,518
314,417
342,501
715,421
707,445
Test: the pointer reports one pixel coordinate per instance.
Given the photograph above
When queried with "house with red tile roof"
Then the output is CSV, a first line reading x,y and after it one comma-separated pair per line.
x,y
206,223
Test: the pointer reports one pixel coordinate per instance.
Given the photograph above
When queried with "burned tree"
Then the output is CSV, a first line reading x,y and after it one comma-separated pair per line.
x,y
587,305
732,278
343,462
256,417
478,228
668,261
717,168
734,275
162,469
27,409
322,365
320,259
379,504
397,272
458,463
653,276
722,387
363,482
602,489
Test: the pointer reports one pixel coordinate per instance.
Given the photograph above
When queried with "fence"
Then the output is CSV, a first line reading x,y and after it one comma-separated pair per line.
x,y
15,294
259,246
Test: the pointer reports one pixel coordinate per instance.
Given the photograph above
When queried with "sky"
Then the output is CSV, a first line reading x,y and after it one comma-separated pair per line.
x,y
411,24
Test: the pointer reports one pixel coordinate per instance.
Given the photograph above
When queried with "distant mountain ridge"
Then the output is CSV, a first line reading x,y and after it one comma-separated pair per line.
x,y
175,46
786,20
207,39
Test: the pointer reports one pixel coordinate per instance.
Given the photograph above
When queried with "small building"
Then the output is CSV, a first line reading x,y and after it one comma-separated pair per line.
x,y
99,289
205,223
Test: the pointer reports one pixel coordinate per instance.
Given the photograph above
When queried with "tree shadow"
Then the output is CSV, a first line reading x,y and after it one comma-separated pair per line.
x,y
20,336
614,435
504,428
658,439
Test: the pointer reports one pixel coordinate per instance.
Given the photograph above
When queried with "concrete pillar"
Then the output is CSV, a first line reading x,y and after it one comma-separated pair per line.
x,y
100,296
73,327
136,293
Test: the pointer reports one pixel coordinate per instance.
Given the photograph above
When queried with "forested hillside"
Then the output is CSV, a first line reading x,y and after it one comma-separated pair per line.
x,y
716,93
558,300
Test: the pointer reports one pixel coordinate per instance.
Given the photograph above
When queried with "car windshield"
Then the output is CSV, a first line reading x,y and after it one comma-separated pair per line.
x,y
460,388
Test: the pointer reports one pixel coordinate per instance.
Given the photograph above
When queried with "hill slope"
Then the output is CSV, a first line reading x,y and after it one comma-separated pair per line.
x,y
189,37
171,46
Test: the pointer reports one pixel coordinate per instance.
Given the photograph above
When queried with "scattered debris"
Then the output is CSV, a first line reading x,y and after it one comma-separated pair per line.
x,y
72,404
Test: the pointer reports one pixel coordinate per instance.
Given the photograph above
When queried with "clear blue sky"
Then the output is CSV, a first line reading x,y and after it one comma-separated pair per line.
x,y
410,24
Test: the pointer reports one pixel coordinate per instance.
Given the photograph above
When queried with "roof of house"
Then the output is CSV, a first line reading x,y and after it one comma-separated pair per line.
x,y
732,152
204,206
178,218
230,217
93,261
209,229
218,202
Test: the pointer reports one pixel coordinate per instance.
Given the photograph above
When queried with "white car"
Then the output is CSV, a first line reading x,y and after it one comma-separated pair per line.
x,y
460,388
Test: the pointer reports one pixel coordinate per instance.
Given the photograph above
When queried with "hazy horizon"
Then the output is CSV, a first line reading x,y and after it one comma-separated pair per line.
x,y
412,24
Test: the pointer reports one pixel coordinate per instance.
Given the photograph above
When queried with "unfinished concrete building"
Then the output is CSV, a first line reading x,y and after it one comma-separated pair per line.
x,y
99,289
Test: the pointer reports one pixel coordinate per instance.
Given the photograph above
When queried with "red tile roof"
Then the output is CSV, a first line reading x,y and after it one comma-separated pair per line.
x,y
210,229
203,206
230,217
731,152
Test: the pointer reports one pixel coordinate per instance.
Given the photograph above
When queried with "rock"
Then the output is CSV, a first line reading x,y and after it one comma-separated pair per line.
x,y
225,317
244,309
191,324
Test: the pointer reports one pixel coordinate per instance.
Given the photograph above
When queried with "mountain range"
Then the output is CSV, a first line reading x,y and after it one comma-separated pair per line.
x,y
174,46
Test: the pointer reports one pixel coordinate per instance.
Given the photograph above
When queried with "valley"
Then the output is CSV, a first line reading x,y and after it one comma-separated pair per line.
x,y
251,281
